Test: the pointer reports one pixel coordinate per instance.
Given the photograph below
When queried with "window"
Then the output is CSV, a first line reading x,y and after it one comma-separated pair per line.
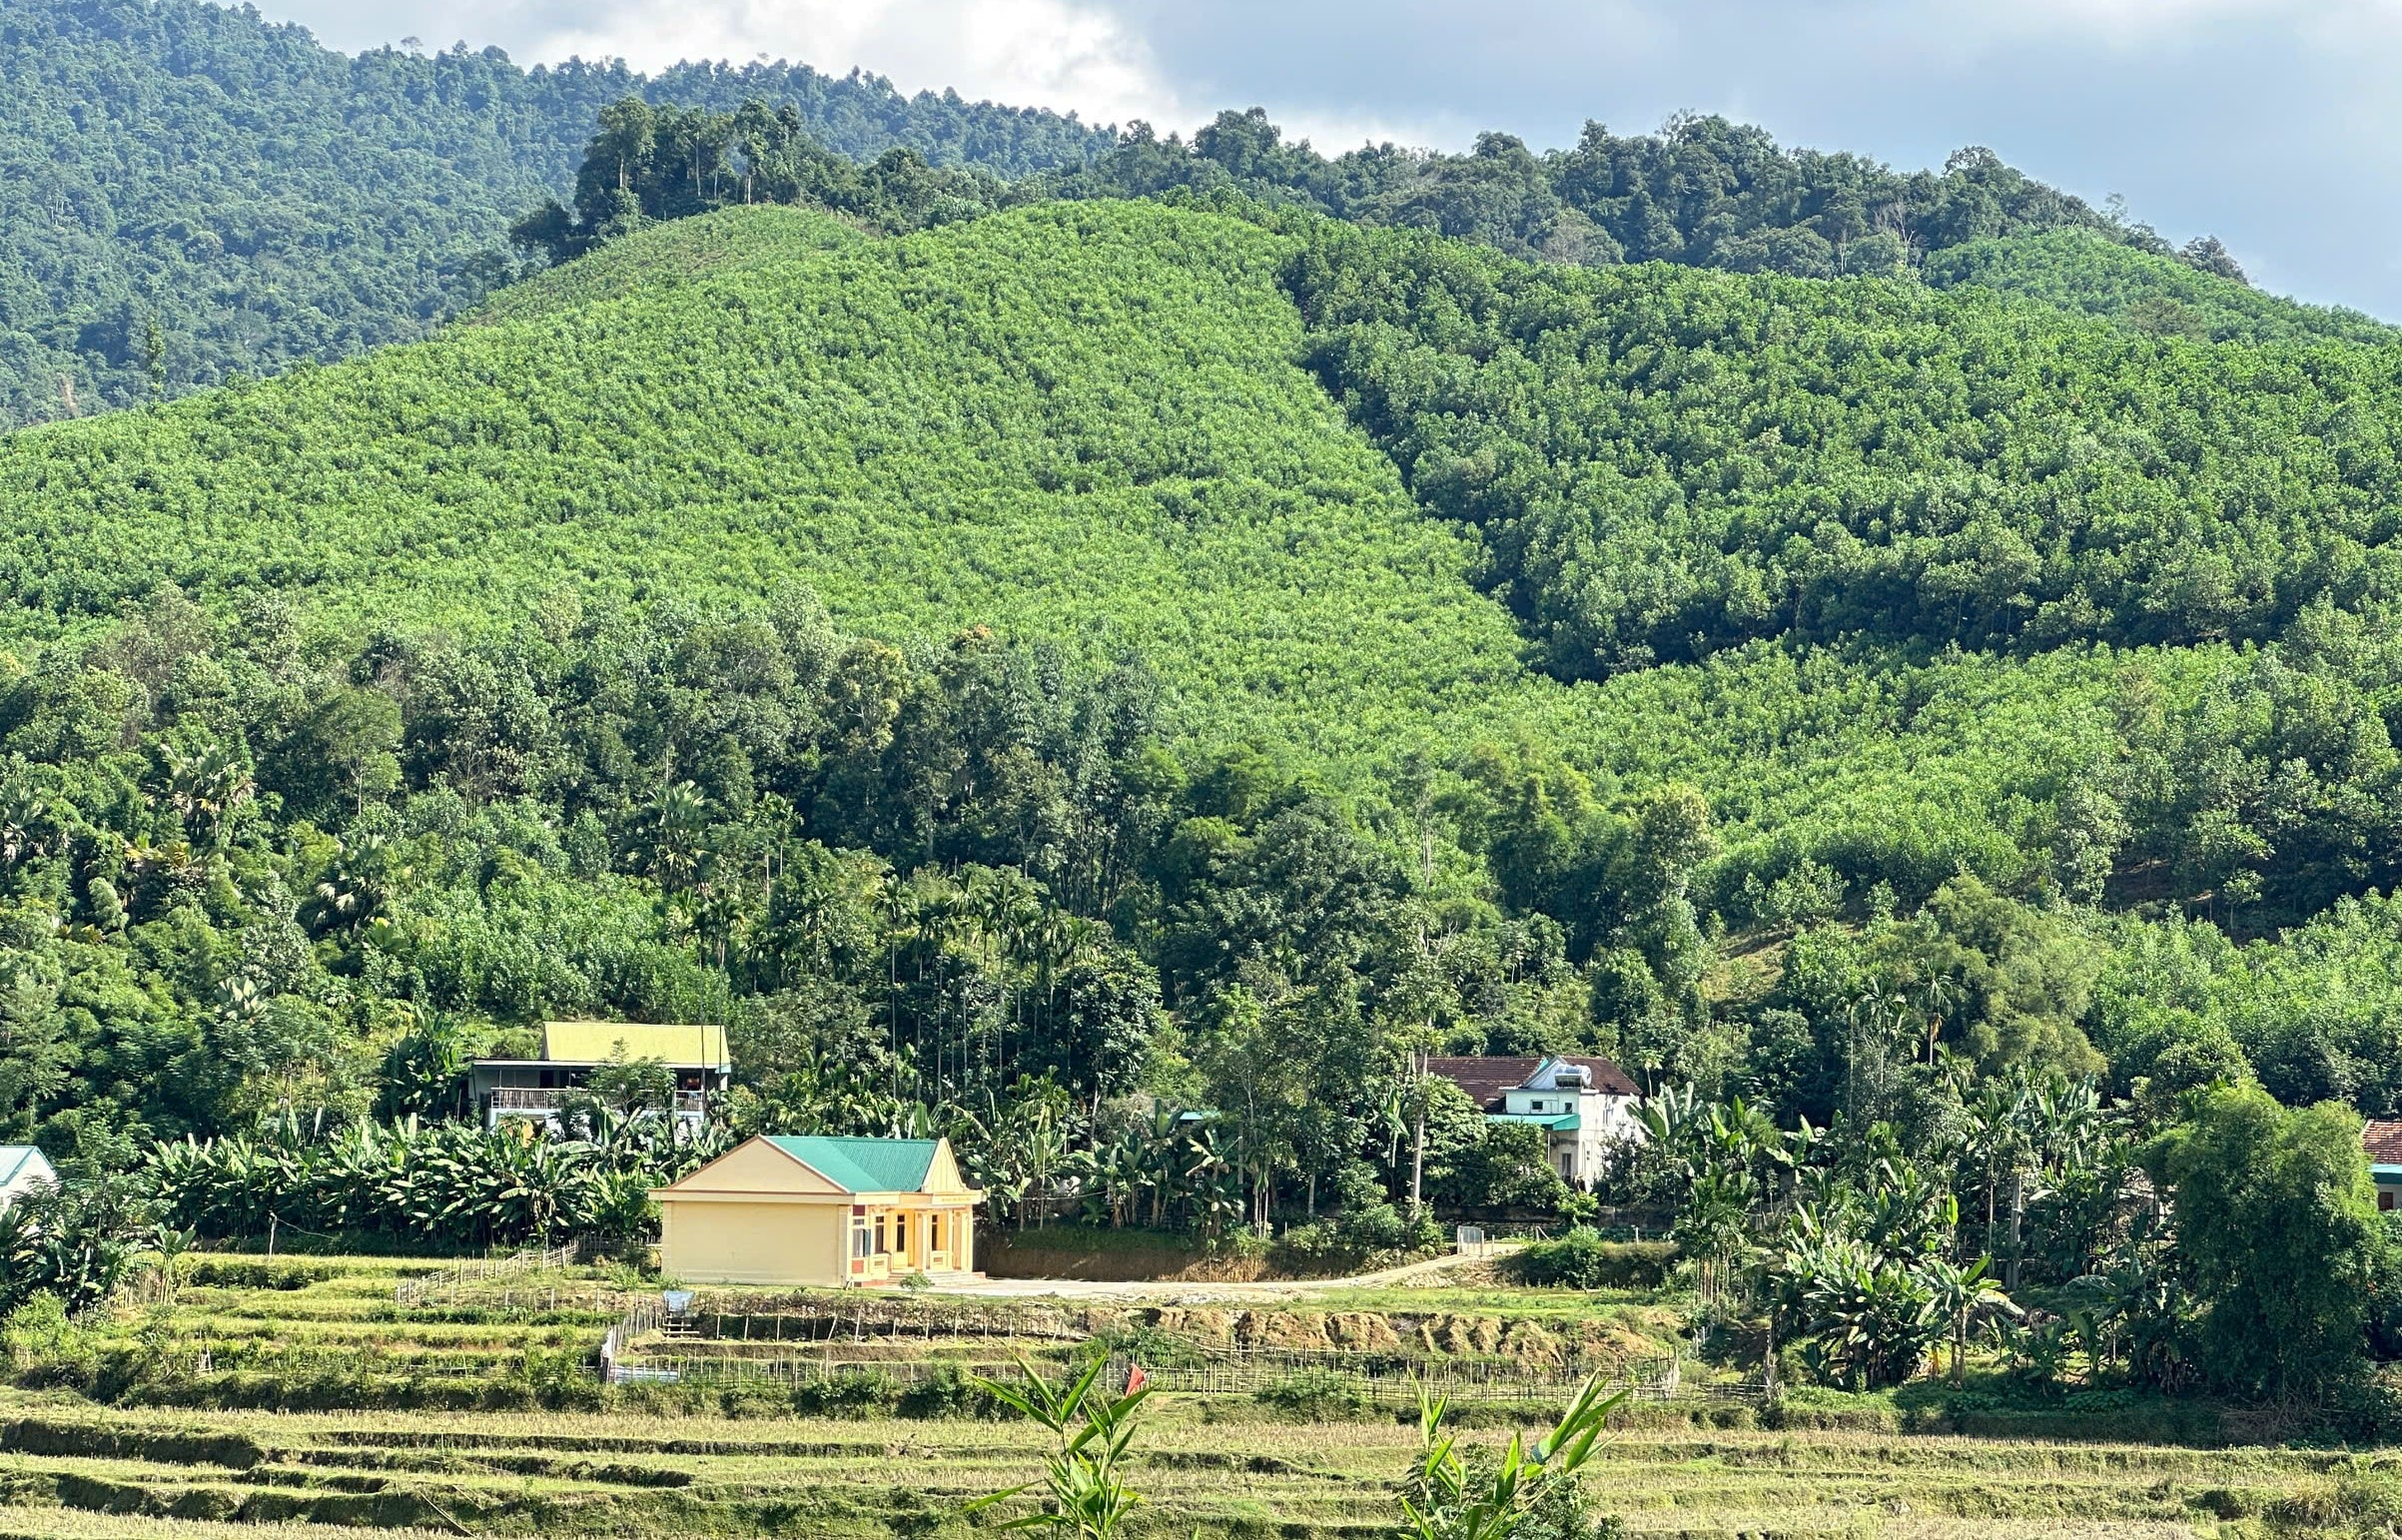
x,y
2385,1202
879,1235
934,1232
858,1239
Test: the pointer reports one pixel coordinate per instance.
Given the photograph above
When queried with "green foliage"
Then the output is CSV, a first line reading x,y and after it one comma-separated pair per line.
x,y
1666,465
1582,1259
643,166
2082,270
2276,1227
1447,1500
191,193
1703,192
1086,1495
458,1184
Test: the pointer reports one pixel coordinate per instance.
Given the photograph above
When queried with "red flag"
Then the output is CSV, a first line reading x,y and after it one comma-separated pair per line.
x,y
1136,1379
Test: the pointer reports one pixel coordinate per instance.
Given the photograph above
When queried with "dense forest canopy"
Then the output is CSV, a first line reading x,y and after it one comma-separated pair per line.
x,y
1664,465
1905,663
189,194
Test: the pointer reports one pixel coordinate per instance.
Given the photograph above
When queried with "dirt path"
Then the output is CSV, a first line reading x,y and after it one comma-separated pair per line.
x,y
1431,1272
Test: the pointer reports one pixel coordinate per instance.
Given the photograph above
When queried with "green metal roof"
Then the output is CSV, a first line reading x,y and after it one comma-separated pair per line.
x,y
863,1165
1557,1122
13,1159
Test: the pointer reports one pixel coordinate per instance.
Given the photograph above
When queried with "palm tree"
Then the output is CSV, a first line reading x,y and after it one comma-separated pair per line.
x,y
1958,1293
896,906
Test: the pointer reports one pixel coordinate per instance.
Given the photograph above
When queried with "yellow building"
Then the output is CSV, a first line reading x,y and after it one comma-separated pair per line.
x,y
796,1211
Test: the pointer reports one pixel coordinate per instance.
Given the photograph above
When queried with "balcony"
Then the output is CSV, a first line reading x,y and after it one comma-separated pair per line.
x,y
527,1102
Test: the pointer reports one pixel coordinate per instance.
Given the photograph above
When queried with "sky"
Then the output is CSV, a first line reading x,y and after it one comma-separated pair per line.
x,y
2271,125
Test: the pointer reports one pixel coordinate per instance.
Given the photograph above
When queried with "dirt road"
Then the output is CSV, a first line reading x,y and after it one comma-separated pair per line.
x,y
1429,1274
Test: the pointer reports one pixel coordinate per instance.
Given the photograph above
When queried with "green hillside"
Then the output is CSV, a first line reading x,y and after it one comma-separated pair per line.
x,y
190,192
1669,463
1082,422
191,174
1037,674
2082,271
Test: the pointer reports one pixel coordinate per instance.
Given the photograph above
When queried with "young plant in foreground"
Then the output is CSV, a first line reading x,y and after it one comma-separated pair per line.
x,y
1447,1501
1085,1492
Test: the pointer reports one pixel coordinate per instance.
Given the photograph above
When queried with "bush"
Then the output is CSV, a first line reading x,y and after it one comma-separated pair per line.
x,y
949,1392
1582,1259
1318,1395
850,1393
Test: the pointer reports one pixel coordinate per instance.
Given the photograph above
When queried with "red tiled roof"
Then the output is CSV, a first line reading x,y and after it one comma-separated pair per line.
x,y
2384,1141
1487,1079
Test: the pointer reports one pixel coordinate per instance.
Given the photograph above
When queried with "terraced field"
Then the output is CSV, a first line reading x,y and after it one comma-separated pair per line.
x,y
72,1472
488,1419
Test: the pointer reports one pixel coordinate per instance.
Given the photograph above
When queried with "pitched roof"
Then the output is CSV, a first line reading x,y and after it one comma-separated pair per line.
x,y
1489,1077
2384,1143
594,1042
14,1160
863,1165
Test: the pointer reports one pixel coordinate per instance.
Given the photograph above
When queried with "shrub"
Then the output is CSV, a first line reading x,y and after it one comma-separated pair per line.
x,y
949,1392
1318,1395
1582,1259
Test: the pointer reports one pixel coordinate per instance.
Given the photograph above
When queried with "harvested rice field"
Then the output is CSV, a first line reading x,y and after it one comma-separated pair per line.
x,y
1206,1469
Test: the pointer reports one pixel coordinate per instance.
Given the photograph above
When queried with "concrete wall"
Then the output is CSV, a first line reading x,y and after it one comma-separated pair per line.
x,y
771,1241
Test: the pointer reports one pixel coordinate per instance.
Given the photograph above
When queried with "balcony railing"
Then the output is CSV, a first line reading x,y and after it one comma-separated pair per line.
x,y
521,1099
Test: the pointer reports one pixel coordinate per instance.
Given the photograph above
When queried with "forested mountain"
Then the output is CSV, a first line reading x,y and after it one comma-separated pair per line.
x,y
1910,652
2089,273
189,193
1666,465
1050,668
1088,435
189,190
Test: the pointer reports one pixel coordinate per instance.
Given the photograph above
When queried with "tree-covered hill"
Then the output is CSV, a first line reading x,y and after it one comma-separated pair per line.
x,y
2083,271
1666,463
188,191
1084,424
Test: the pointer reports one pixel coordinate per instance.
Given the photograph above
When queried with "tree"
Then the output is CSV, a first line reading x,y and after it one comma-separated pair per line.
x,y
2276,1230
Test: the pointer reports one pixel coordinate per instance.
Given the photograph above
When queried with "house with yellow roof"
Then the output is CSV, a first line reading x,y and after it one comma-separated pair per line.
x,y
695,1055
802,1210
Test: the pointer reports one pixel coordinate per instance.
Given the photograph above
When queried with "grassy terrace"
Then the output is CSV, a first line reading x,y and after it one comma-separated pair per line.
x,y
476,1413
72,1471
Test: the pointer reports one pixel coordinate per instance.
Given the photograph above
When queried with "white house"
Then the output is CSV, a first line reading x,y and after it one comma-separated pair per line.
x,y
1587,1104
22,1168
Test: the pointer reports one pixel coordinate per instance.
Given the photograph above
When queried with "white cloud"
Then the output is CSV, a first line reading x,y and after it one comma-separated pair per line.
x,y
1059,54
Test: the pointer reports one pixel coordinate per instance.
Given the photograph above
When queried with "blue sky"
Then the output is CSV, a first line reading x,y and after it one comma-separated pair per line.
x,y
2275,126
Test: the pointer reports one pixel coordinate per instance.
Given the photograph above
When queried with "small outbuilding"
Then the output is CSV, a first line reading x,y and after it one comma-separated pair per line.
x,y
794,1211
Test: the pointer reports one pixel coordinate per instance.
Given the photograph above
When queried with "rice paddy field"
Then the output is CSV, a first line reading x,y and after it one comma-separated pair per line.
x,y
301,1397
1204,1470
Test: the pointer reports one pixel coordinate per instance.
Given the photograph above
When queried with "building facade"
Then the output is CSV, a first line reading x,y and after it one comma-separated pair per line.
x,y
807,1211
22,1168
696,1056
1586,1105
2384,1141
